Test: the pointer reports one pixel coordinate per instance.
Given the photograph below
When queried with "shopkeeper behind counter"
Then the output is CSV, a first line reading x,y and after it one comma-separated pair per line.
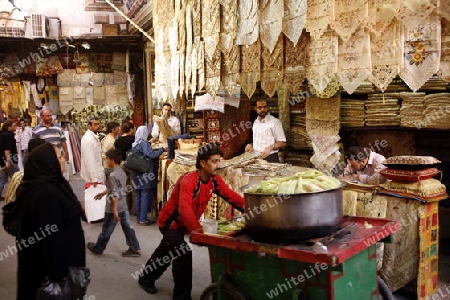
x,y
363,166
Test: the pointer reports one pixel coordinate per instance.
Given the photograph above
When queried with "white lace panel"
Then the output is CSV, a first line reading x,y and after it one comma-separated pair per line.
x,y
270,23
197,17
422,52
231,62
318,16
193,82
349,15
174,75
444,9
414,13
212,73
200,64
189,46
210,25
180,15
444,71
387,55
294,19
296,59
381,14
354,63
272,68
228,26
250,67
160,65
322,66
247,30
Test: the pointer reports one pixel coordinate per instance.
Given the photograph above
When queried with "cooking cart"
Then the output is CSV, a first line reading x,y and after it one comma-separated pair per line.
x,y
343,268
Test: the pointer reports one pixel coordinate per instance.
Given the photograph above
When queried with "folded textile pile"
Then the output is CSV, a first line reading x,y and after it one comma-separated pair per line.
x,y
382,110
435,114
411,111
352,112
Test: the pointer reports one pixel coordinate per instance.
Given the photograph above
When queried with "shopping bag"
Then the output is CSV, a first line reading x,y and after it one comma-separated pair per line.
x,y
95,209
136,161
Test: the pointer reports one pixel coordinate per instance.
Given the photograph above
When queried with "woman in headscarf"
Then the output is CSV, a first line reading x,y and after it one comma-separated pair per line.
x,y
50,237
145,183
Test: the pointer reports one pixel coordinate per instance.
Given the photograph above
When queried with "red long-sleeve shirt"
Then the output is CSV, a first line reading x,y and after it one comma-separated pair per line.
x,y
189,199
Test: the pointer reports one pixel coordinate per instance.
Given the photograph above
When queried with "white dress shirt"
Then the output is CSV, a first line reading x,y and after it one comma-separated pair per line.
x,y
173,122
267,132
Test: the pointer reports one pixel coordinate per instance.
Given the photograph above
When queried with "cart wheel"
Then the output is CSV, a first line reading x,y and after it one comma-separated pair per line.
x,y
228,291
385,292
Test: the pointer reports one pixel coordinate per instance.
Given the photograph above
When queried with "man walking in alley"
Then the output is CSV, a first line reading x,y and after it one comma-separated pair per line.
x,y
8,152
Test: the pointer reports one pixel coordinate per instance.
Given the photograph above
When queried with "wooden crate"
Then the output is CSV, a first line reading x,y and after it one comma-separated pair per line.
x,y
110,29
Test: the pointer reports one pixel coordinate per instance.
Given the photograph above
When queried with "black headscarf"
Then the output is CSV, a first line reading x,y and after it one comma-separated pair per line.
x,y
43,166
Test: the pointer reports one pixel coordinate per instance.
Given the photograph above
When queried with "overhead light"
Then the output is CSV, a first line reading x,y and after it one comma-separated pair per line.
x,y
85,45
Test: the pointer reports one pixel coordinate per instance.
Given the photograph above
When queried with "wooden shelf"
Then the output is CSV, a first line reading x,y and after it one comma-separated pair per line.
x,y
393,128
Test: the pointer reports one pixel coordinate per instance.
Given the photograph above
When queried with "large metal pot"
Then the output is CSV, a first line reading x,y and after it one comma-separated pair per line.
x,y
293,217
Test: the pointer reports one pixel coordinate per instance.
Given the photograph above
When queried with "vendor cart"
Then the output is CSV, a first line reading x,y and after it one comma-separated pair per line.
x,y
341,265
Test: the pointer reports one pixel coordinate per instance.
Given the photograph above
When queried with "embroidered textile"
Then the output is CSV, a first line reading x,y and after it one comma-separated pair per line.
x,y
318,16
349,15
212,73
210,26
200,64
284,112
160,66
207,102
247,30
387,55
228,26
53,99
98,79
193,82
89,90
270,22
173,76
99,95
79,98
322,116
322,67
189,46
444,71
414,13
76,79
354,63
444,9
294,19
65,99
65,78
422,52
120,78
231,63
110,95
109,79
331,89
296,58
272,68
197,17
381,14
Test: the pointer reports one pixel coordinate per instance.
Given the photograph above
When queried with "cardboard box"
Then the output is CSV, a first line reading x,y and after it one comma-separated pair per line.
x,y
110,29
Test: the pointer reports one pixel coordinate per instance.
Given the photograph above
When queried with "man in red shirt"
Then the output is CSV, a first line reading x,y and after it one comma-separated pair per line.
x,y
180,215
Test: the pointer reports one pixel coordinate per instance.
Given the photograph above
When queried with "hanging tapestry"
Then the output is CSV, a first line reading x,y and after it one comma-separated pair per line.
x,y
296,58
174,62
294,19
381,14
188,53
109,79
422,52
111,97
231,61
160,66
99,95
212,73
89,95
65,78
318,16
387,61
414,13
250,67
120,78
444,71
247,30
270,22
444,10
210,26
228,24
79,98
330,90
53,99
65,99
322,67
200,64
197,17
98,79
272,68
180,14
348,17
354,60
193,82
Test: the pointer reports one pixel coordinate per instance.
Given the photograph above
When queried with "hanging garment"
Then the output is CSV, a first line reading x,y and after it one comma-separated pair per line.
x,y
248,29
318,16
65,99
294,19
349,16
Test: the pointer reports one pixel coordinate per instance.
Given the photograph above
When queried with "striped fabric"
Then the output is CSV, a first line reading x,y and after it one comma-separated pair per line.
x,y
53,134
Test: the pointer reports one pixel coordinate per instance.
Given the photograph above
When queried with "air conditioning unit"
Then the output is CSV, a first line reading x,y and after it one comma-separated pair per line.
x,y
40,27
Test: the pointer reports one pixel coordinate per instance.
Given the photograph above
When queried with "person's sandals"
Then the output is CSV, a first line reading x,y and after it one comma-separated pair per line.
x,y
131,253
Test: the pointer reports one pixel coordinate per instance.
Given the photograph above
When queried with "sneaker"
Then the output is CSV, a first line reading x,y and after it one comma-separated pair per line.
x,y
148,287
91,247
131,253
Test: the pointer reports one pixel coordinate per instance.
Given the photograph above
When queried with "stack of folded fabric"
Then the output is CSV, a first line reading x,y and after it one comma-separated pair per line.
x,y
383,110
435,114
352,112
411,111
412,177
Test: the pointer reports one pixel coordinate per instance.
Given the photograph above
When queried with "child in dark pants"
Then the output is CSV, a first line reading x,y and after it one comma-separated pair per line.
x,y
116,209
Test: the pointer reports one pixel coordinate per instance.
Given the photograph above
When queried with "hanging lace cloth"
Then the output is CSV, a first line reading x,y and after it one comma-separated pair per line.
x,y
416,12
193,82
250,67
121,94
349,15
89,95
444,71
211,26
230,69
284,112
79,98
422,52
109,79
354,63
330,90
444,9
200,64
65,99
381,14
160,66
296,58
294,19
212,73
272,68
322,116
228,24
322,67
318,16
188,52
174,58
98,79
247,30
180,14
270,22
99,95
387,55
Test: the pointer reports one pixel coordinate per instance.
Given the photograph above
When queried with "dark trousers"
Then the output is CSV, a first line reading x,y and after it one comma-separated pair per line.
x,y
172,249
273,158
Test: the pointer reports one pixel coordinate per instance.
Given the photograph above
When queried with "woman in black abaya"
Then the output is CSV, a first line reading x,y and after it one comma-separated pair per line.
x,y
50,237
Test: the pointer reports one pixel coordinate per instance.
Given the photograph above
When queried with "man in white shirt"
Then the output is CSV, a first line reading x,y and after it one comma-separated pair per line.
x,y
23,136
268,134
172,122
363,166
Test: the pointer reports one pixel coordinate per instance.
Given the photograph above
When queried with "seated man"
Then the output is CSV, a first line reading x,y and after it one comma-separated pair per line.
x,y
166,125
363,166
